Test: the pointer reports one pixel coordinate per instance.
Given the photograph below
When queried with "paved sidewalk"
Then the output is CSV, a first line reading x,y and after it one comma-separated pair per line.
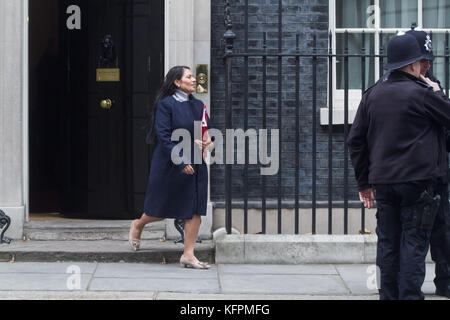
x,y
34,280
152,251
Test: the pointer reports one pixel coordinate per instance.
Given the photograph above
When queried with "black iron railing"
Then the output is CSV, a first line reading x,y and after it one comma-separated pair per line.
x,y
297,58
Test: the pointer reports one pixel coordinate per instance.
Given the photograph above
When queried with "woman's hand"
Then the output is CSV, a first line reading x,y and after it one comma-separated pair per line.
x,y
208,145
188,170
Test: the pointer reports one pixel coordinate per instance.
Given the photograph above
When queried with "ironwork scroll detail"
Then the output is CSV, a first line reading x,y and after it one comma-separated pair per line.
x,y
5,222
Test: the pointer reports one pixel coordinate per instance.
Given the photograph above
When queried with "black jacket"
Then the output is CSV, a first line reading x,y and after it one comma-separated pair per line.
x,y
447,132
397,135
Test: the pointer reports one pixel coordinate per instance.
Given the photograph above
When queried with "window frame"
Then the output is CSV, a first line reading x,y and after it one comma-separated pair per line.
x,y
355,94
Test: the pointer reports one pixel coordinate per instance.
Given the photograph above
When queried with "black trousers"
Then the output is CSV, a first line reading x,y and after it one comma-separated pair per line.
x,y
440,240
401,249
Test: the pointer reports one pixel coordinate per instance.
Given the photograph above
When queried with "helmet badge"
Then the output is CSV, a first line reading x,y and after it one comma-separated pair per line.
x,y
428,44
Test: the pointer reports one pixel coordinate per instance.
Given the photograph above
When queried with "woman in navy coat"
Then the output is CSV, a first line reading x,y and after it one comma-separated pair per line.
x,y
176,191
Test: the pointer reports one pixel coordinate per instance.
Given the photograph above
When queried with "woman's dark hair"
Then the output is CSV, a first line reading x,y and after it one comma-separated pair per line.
x,y
167,89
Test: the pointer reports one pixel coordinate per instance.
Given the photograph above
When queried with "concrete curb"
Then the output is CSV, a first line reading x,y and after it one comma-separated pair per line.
x,y
100,251
145,295
296,249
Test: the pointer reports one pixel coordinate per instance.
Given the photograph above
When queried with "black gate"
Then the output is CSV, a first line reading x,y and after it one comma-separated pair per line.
x,y
290,62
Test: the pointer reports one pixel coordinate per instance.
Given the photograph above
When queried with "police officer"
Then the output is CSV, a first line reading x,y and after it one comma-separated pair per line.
x,y
440,235
397,151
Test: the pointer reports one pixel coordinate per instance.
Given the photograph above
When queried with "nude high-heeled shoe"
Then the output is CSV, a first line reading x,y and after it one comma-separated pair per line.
x,y
205,264
184,263
135,244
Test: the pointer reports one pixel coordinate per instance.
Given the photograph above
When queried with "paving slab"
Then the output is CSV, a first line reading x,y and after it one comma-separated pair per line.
x,y
155,284
319,269
154,281
282,284
356,277
75,295
108,295
257,297
46,267
153,271
360,288
429,276
92,246
40,282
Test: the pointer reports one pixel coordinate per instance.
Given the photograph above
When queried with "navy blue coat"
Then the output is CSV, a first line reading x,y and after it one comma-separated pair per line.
x,y
170,192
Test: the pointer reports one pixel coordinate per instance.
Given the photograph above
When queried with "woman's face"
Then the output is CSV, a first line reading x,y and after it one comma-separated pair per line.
x,y
187,83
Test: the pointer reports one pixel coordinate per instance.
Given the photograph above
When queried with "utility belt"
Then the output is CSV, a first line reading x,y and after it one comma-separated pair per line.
x,y
422,214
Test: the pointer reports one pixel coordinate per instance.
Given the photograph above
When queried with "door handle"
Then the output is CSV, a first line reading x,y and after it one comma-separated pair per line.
x,y
106,104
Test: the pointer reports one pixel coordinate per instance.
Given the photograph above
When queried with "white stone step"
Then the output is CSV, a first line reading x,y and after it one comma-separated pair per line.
x,y
88,230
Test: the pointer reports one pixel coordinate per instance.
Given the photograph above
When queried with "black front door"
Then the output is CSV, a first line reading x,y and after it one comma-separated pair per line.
x,y
108,95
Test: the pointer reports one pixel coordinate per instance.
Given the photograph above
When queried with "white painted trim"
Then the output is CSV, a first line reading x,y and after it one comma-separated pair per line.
x,y
386,30
377,38
354,98
25,111
332,14
338,105
332,25
420,13
377,15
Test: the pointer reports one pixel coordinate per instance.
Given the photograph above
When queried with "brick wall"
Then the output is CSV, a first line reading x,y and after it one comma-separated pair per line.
x,y
303,17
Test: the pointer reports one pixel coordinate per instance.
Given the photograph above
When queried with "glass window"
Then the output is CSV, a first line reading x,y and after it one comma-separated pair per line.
x,y
398,13
355,64
394,15
380,20
436,14
387,36
439,63
352,13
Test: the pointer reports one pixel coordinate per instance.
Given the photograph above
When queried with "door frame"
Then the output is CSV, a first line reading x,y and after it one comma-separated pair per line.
x,y
25,112
26,102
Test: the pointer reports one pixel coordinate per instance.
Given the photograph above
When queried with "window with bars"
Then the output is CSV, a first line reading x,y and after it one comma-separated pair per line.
x,y
379,20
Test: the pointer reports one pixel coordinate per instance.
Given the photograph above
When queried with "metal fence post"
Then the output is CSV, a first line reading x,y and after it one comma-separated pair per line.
x,y
330,133
346,130
447,63
229,37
